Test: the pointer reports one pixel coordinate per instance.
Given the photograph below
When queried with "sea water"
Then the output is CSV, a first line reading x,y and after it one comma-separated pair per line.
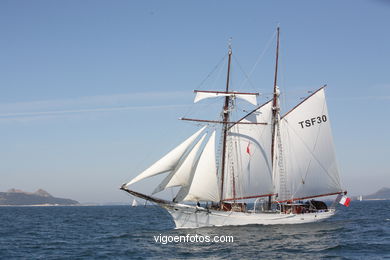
x,y
361,231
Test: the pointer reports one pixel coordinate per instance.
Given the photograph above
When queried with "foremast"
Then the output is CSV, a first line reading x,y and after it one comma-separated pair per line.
x,y
225,170
225,128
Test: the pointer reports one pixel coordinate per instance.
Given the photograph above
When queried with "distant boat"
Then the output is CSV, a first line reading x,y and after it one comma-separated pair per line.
x,y
279,160
135,203
360,198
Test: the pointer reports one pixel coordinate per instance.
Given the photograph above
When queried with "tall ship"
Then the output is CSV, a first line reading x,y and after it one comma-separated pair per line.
x,y
267,168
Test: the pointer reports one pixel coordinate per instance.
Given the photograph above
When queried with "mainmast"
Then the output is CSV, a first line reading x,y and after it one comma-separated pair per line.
x,y
275,108
275,102
225,125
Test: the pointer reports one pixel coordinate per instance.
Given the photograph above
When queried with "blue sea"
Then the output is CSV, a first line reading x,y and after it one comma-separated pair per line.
x,y
361,231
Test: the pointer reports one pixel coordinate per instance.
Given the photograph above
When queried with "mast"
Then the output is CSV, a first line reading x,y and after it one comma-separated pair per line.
x,y
225,125
275,106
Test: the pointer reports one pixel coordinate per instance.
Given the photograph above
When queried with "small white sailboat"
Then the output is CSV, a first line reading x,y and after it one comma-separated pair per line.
x,y
360,198
135,203
276,160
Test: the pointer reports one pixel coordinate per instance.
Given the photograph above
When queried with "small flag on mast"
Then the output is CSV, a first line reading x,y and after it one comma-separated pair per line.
x,y
248,151
345,201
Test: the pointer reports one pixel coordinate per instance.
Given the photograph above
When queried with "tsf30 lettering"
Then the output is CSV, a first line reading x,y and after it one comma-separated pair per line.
x,y
313,121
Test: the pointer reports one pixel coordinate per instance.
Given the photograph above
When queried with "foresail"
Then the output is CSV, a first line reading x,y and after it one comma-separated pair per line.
x,y
248,159
204,183
307,145
249,97
169,161
181,175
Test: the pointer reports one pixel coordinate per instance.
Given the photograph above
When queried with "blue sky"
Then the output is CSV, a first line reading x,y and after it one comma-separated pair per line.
x,y
90,91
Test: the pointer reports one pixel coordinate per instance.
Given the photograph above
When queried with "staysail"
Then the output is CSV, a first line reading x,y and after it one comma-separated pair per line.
x,y
169,161
308,152
204,183
181,175
248,159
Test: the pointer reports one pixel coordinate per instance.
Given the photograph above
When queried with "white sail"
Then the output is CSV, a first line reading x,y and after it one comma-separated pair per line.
x,y
204,184
169,161
135,203
181,176
309,158
249,97
248,156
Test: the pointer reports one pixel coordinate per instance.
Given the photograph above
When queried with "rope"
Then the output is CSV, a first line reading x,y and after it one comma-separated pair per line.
x,y
191,108
243,72
259,58
212,71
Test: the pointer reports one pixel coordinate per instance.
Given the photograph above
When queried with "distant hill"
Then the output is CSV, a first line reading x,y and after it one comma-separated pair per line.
x,y
382,194
15,197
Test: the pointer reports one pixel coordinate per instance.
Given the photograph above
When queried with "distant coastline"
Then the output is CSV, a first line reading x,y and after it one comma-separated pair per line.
x,y
381,194
42,198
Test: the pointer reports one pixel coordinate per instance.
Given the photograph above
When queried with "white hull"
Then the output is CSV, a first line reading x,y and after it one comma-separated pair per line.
x,y
193,217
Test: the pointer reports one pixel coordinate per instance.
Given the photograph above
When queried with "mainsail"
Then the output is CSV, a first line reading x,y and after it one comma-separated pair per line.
x,y
248,164
308,152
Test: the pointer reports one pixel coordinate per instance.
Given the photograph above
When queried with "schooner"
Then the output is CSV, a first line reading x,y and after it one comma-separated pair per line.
x,y
277,161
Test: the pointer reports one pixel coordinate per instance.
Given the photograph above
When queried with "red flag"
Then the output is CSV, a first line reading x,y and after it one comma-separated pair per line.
x,y
345,201
248,151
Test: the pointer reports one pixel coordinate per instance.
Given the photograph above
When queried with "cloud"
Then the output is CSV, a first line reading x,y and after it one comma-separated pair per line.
x,y
33,110
103,109
92,101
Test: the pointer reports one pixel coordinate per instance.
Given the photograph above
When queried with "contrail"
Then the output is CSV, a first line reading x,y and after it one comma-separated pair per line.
x,y
75,111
